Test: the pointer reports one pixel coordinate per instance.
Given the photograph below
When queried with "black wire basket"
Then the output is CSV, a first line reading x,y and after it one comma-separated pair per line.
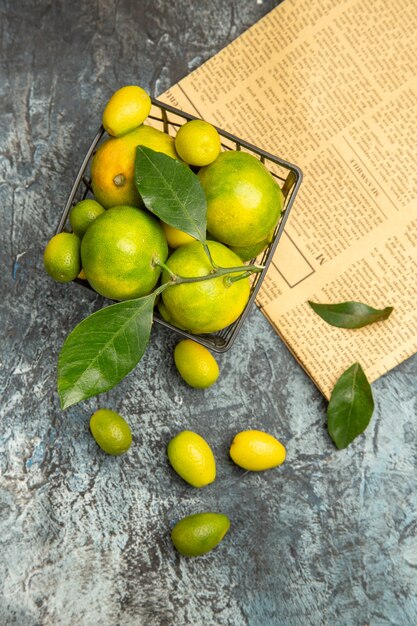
x,y
288,176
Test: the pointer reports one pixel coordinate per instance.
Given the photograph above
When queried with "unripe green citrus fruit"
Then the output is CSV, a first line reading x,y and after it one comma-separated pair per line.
x,y
208,305
244,202
119,253
111,431
83,214
197,534
61,257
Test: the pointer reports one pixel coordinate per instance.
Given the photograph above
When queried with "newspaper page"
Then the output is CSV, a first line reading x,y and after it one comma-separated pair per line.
x,y
331,85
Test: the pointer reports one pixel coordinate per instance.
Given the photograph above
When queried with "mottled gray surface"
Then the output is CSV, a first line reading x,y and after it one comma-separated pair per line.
x,y
329,538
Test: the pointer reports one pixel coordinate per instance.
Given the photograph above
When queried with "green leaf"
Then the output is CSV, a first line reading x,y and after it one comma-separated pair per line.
x,y
103,348
350,314
171,191
350,407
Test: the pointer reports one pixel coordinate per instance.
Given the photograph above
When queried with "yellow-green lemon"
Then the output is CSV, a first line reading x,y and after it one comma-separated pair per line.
x,y
192,458
127,108
83,214
196,364
256,450
61,257
198,143
111,431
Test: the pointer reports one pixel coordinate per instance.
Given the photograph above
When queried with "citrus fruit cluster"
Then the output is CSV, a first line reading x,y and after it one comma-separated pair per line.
x,y
128,249
193,460
120,247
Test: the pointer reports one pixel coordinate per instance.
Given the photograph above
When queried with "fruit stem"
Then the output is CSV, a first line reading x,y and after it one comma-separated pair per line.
x,y
207,251
220,271
245,270
233,279
160,289
166,268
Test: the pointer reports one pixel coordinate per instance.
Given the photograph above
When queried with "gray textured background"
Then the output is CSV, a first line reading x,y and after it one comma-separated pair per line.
x,y
329,538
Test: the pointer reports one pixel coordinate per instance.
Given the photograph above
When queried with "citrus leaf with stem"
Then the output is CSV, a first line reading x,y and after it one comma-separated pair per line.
x,y
350,314
104,348
350,407
172,191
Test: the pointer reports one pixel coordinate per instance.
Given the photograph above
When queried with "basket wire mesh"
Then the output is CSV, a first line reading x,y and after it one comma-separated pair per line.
x,y
169,119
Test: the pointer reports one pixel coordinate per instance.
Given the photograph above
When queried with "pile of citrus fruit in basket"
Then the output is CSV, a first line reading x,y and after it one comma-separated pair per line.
x,y
127,243
124,251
